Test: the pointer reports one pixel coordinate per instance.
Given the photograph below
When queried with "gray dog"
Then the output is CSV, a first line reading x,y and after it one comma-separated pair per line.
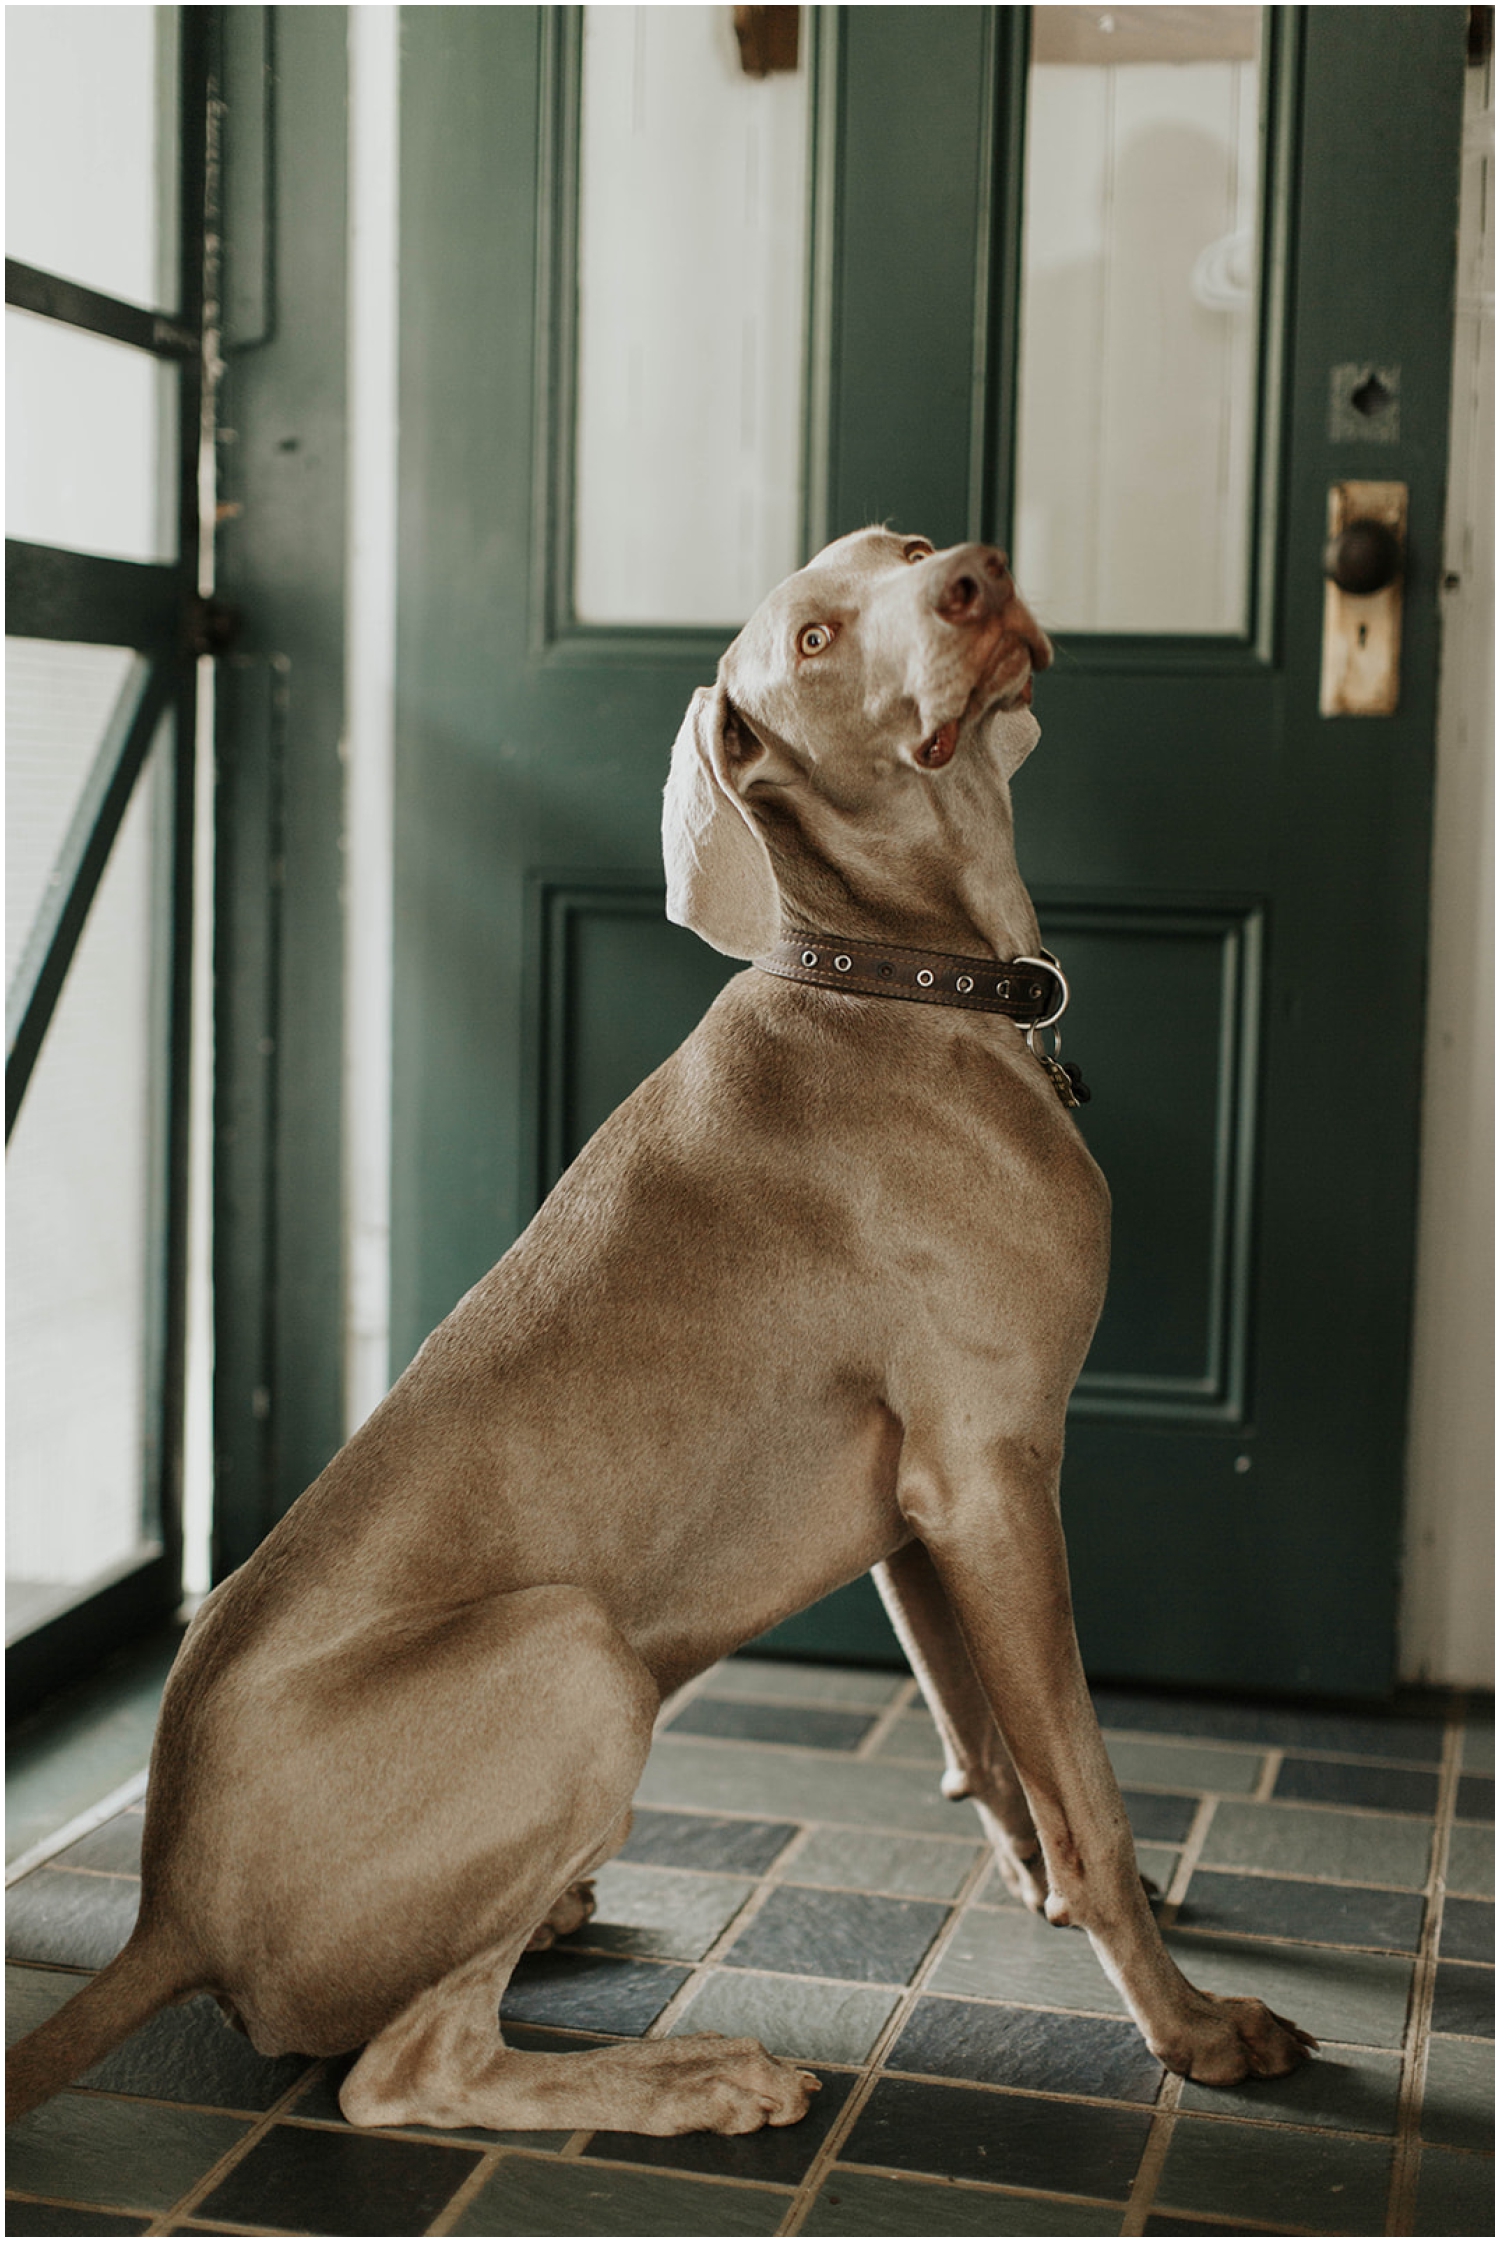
x,y
810,1303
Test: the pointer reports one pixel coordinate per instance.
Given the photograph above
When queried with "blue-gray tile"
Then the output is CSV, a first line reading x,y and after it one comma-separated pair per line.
x,y
32,1995
1361,1735
706,1841
780,2155
806,2019
1029,2048
130,2156
1182,1767
1319,1841
532,2195
595,1992
1476,1798
63,2219
674,1913
1463,2000
1160,1817
1014,2140
1334,2185
874,2204
1468,1930
851,1935
1336,1993
318,2182
1458,2100
789,1785
1354,1782
1348,2090
1471,1860
804,1684
1478,1755
1455,2194
191,2054
869,1860
62,1915
1008,1954
1280,1907
824,1728
114,1846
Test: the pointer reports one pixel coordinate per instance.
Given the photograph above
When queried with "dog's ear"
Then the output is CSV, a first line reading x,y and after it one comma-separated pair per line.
x,y
719,877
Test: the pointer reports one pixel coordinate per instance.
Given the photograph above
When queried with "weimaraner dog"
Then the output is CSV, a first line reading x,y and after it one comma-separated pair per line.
x,y
810,1303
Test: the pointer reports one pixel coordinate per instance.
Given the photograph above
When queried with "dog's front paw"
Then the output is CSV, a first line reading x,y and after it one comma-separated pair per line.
x,y
1225,2039
708,2084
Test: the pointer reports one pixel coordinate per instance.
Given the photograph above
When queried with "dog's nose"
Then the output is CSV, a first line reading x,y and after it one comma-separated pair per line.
x,y
975,584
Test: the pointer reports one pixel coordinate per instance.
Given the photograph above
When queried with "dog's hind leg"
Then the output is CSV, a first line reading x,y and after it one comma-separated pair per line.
x,y
443,2062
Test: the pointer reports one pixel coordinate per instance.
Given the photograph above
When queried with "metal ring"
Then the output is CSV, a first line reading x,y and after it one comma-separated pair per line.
x,y
843,964
964,983
924,979
1048,965
809,957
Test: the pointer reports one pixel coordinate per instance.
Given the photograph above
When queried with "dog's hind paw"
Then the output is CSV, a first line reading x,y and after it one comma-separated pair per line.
x,y
567,1913
1227,2038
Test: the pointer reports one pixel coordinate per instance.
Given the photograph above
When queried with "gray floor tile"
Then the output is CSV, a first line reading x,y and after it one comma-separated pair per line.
x,y
824,1728
1455,2194
838,1934
1463,2000
1286,1907
63,2219
1016,2140
791,1785
133,2156
1034,2049
32,1995
870,2203
1458,2101
912,1736
1352,2092
1479,1742
59,1915
1359,1782
1318,1841
115,1845
1333,2186
1415,1736
1335,1994
594,1992
1182,1767
803,1684
1476,1798
1468,1930
530,2195
1471,1861
810,2021
1008,1954
664,1911
727,1844
864,1860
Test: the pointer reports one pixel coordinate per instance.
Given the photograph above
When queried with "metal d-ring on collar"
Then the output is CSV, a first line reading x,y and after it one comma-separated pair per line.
x,y
1031,991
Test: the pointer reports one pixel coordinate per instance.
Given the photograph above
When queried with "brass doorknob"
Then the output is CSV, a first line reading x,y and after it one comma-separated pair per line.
x,y
1363,558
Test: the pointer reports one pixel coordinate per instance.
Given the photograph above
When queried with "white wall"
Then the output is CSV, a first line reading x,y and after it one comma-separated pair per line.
x,y
1447,1608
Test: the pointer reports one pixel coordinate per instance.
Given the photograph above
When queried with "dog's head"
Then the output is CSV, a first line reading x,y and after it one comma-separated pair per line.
x,y
878,675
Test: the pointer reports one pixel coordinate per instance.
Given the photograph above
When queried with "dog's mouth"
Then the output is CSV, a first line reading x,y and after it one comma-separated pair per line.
x,y
939,749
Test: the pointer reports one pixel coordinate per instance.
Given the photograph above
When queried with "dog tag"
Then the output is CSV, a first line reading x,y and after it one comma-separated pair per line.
x,y
1067,1080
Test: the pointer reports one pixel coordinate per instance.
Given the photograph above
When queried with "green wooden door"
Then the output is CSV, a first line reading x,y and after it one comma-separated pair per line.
x,y
1236,883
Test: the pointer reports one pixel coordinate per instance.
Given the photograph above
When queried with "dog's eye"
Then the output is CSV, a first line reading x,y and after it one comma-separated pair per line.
x,y
814,638
918,549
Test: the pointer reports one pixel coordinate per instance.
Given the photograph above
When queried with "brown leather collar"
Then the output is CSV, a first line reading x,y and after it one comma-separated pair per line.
x,y
1029,990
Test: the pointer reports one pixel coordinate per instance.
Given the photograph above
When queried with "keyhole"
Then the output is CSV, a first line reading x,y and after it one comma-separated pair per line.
x,y
1371,396
1364,632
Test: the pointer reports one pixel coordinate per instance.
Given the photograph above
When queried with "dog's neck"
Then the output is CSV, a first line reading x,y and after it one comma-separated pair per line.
x,y
953,885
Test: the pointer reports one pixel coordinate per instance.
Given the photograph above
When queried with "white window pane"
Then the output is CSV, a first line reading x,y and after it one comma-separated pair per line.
x,y
85,442
692,255
90,113
1139,322
78,1251
58,700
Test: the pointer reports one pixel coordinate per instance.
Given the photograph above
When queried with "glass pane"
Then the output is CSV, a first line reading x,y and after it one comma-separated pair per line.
x,y
90,121
691,285
1140,318
58,700
86,436
79,1190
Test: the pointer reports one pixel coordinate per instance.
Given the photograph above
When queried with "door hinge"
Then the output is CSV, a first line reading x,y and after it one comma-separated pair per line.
x,y
211,626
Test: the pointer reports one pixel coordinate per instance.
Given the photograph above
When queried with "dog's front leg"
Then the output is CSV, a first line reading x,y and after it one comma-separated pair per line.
x,y
978,1766
987,1512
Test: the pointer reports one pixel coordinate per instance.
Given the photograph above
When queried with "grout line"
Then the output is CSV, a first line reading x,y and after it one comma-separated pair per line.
x,y
885,2040
1187,1859
186,2205
885,1721
1153,2156
82,1825
1406,2163
1265,1789
463,2195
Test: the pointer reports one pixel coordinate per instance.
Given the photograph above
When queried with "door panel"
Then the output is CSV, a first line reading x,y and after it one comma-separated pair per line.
x,y
1235,884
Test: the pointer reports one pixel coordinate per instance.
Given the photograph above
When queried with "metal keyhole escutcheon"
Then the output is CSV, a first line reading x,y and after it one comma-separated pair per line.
x,y
1363,558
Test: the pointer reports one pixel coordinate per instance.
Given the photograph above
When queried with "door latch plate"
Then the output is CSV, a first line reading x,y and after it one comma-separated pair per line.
x,y
1362,631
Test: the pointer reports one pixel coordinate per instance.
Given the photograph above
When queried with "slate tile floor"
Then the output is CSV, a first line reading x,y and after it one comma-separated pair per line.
x,y
794,1873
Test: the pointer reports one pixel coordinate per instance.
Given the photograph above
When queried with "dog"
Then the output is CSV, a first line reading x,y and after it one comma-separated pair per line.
x,y
810,1304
